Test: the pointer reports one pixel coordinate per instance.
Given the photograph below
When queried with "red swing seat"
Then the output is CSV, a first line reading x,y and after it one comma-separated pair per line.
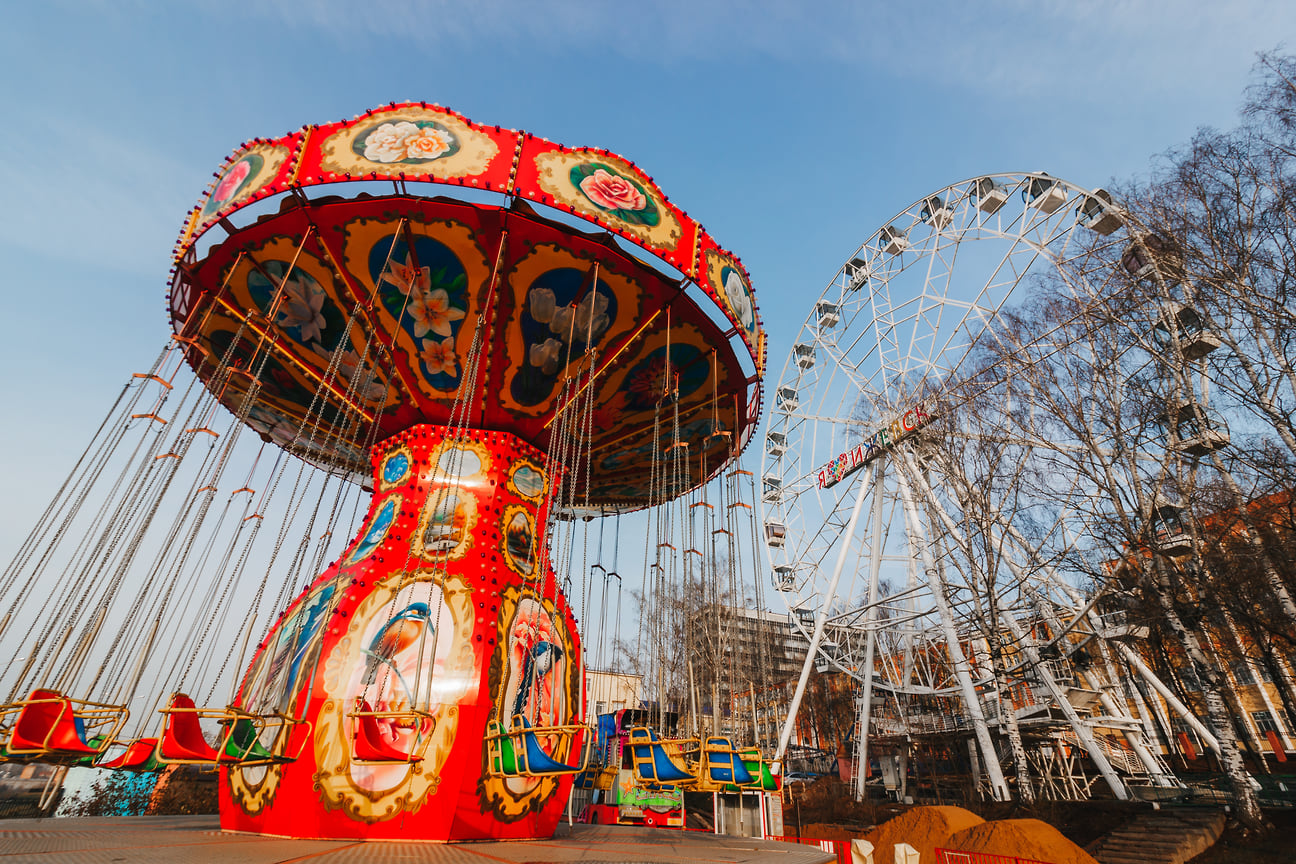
x,y
369,743
182,740
138,756
54,727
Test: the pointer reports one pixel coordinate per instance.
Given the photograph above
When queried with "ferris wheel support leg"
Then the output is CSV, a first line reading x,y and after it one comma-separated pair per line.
x,y
866,699
998,786
822,619
1135,740
1171,699
1081,729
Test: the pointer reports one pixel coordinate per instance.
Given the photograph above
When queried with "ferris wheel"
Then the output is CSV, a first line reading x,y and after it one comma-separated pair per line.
x,y
875,456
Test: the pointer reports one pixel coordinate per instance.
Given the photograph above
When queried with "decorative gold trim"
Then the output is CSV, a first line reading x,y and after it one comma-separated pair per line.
x,y
469,502
411,784
544,480
554,172
383,484
510,512
476,150
253,796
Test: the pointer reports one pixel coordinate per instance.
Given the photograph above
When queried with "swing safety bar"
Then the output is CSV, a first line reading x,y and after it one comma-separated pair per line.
x,y
139,756
725,766
655,761
732,769
183,742
369,744
517,752
50,727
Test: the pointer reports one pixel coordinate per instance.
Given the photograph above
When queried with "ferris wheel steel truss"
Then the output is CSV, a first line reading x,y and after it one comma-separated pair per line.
x,y
863,529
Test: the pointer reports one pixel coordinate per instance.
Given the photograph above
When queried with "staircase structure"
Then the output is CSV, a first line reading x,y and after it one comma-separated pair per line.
x,y
1160,837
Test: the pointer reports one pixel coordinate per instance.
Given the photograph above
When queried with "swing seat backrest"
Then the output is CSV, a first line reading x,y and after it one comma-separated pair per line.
x,y
140,755
46,723
759,769
652,764
182,736
370,745
771,775
533,760
243,743
723,764
499,746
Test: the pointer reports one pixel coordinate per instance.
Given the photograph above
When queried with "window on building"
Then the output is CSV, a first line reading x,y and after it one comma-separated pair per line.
x,y
1265,722
1242,674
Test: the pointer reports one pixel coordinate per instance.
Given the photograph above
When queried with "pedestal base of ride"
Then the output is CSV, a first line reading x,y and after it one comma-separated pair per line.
x,y
441,616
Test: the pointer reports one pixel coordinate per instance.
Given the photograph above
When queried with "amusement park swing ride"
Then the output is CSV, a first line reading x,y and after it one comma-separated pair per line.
x,y
491,336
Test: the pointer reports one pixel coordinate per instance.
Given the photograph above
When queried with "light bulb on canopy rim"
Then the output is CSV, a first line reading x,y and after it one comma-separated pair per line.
x,y
583,281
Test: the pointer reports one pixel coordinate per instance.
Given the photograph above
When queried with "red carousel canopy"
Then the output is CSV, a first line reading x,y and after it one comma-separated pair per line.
x,y
415,276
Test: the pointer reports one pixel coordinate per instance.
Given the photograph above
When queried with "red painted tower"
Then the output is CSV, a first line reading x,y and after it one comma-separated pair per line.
x,y
501,368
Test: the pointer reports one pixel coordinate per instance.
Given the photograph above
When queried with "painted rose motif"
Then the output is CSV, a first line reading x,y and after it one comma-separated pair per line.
x,y
615,194
432,312
403,141
428,143
237,178
233,179
440,357
612,192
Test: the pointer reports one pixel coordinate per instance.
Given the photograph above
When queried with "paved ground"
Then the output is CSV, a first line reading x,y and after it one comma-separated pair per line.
x,y
197,839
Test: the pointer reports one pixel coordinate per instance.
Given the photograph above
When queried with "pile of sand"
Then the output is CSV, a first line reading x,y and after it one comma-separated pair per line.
x,y
923,828
1021,838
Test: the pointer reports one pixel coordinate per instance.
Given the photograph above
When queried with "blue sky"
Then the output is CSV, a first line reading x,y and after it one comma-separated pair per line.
x,y
792,130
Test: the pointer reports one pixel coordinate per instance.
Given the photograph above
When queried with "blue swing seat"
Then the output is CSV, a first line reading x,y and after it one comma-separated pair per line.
x,y
652,764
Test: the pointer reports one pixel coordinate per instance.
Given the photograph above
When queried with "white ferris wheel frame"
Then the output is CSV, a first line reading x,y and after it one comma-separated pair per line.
x,y
901,353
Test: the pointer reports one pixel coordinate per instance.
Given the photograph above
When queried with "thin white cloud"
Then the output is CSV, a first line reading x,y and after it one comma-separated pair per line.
x,y
1117,50
93,196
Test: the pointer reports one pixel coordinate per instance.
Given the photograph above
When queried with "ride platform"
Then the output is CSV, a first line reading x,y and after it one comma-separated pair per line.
x,y
198,839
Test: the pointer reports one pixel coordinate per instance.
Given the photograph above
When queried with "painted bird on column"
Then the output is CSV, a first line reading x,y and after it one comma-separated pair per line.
x,y
537,663
402,630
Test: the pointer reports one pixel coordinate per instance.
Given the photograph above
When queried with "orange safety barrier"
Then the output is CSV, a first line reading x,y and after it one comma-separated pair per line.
x,y
840,848
953,856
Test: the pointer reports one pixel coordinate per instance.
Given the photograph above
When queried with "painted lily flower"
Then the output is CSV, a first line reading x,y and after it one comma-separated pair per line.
x,y
432,312
301,307
440,357
406,277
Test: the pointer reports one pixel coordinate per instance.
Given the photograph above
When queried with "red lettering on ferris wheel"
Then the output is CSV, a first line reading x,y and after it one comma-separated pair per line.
x,y
879,442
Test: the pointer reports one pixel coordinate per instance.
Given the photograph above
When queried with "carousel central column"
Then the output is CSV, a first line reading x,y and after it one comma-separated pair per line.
x,y
442,615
